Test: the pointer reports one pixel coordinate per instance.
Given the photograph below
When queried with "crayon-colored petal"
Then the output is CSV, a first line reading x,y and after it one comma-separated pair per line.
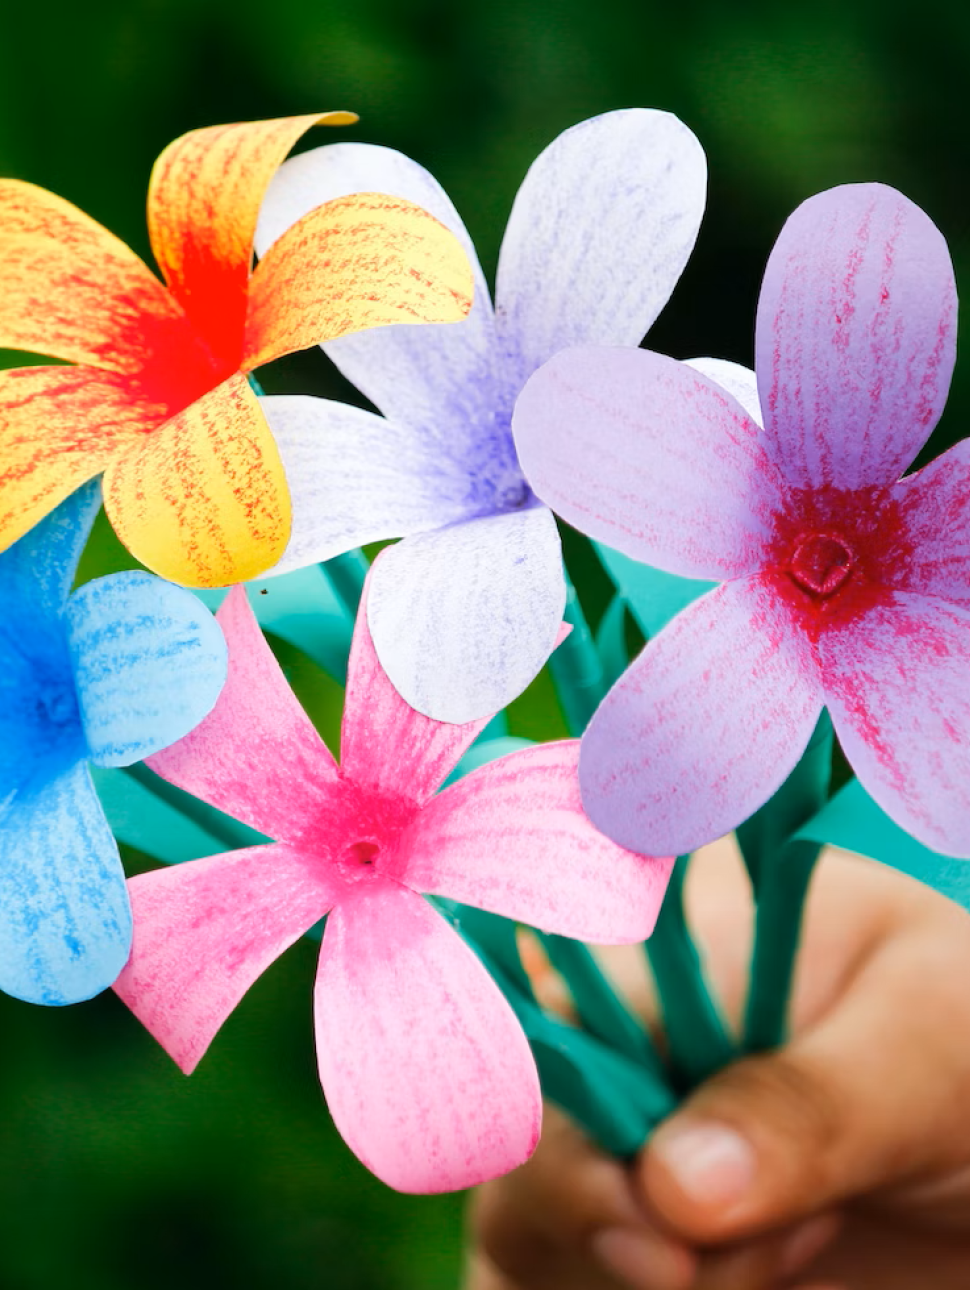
x,y
203,501
203,202
740,382
856,337
896,686
599,234
512,837
65,925
464,618
256,756
149,662
426,1071
59,427
361,261
37,572
71,289
442,379
384,742
937,522
356,478
206,930
704,726
651,457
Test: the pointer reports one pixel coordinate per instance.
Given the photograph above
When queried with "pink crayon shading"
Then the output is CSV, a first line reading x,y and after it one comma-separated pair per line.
x,y
426,1071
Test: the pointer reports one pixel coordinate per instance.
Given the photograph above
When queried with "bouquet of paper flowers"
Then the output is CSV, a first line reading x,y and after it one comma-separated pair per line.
x,y
789,584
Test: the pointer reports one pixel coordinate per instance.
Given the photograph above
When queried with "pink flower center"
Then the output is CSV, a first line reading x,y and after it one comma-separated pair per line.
x,y
821,563
360,860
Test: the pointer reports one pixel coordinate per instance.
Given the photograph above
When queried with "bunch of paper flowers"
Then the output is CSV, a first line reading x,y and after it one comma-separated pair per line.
x,y
843,592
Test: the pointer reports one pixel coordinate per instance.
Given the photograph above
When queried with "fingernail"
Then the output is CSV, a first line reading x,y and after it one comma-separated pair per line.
x,y
806,1243
641,1261
711,1163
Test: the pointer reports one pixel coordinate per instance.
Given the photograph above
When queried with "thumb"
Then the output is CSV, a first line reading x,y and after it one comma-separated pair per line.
x,y
873,1094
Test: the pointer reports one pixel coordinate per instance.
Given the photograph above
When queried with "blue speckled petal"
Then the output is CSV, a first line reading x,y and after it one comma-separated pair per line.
x,y
36,573
65,923
149,662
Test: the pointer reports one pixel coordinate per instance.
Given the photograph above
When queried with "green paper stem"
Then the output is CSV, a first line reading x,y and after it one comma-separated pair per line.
x,y
577,672
601,1010
346,574
698,1039
781,903
611,641
801,796
229,832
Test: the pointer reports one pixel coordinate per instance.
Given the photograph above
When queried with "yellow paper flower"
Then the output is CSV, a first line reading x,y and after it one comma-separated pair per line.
x,y
158,398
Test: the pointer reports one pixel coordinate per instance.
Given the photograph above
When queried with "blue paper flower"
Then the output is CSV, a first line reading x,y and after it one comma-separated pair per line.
x,y
118,670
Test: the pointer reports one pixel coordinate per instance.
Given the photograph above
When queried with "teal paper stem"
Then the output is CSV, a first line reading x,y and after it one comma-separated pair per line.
x,y
781,903
801,796
601,1010
577,672
611,641
346,574
230,833
698,1040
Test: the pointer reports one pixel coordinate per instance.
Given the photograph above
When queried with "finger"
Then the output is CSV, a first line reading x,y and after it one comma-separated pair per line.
x,y
859,1101
570,1218
767,1262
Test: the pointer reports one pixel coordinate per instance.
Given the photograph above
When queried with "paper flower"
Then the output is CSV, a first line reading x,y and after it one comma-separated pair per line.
x,y
427,1073
465,611
158,399
844,585
109,674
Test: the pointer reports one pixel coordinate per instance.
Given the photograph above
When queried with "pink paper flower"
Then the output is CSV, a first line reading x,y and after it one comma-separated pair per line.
x,y
844,585
427,1073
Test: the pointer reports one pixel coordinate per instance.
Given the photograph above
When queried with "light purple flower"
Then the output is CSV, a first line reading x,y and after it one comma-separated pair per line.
x,y
465,611
843,585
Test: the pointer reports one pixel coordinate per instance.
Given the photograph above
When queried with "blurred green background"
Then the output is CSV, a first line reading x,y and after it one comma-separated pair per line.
x,y
117,1172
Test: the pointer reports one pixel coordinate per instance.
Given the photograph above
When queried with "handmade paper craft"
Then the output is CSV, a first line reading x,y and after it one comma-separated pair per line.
x,y
465,610
107,675
426,1071
843,585
158,398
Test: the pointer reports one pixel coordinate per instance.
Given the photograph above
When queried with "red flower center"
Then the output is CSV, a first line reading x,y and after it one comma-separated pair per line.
x,y
362,853
821,563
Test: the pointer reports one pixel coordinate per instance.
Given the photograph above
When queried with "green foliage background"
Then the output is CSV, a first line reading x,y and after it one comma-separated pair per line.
x,y
115,1171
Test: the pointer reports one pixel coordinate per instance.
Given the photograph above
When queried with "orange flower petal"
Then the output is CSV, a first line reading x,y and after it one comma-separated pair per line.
x,y
59,427
360,261
203,201
71,289
203,500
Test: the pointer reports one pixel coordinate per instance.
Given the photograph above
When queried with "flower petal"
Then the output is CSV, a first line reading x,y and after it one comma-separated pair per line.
x,y
512,837
59,427
426,1071
65,925
856,337
651,457
896,686
740,382
464,618
256,756
203,501
206,930
149,662
37,572
598,236
441,379
384,743
354,478
203,202
704,726
71,289
361,261
937,521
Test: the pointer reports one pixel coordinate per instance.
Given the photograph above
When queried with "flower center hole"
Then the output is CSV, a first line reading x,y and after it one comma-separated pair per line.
x,y
363,853
822,563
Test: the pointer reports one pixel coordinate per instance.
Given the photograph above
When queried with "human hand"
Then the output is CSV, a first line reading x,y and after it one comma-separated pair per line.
x,y
843,1160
